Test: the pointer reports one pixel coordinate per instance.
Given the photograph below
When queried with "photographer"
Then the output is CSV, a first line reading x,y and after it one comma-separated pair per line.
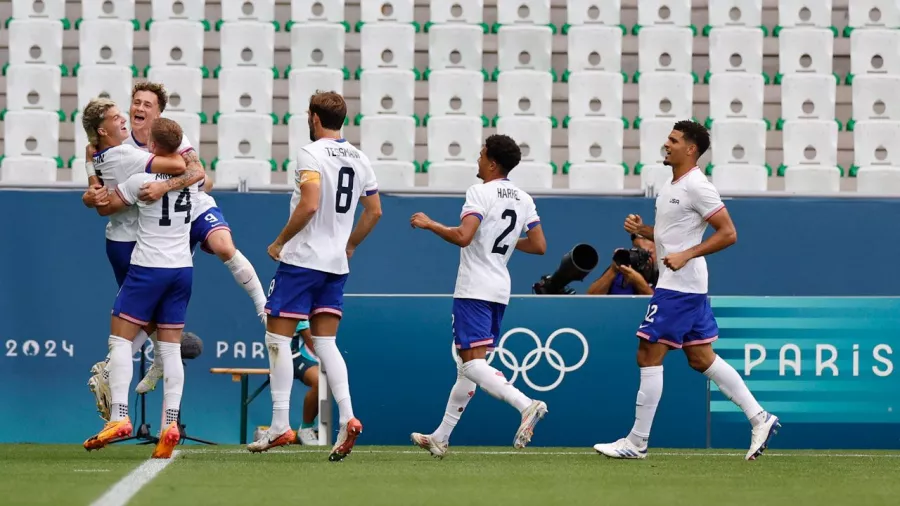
x,y
633,277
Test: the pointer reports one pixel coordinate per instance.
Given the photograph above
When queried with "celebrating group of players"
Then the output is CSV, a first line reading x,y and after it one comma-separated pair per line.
x,y
153,188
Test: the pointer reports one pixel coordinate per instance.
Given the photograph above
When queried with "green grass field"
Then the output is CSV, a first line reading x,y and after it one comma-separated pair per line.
x,y
372,476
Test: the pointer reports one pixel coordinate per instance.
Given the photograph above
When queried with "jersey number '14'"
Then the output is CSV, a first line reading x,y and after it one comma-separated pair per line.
x,y
509,214
182,205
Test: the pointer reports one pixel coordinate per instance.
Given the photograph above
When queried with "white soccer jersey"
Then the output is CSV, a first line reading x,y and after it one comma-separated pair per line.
x,y
164,226
202,201
505,212
346,174
682,208
115,165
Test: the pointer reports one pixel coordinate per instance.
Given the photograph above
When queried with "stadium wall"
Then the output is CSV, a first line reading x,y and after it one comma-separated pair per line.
x,y
57,291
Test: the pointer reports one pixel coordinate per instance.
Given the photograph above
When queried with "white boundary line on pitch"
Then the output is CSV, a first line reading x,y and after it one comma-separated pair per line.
x,y
538,454
126,488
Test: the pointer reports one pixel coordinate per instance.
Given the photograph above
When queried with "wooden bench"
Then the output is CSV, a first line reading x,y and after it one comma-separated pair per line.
x,y
243,375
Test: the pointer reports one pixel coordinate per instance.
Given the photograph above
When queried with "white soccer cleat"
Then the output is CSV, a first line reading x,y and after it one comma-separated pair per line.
x,y
762,433
308,437
150,379
99,386
428,442
345,440
530,417
267,441
621,449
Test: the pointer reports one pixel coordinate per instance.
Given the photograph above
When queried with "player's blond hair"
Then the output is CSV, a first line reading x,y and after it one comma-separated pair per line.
x,y
166,135
93,116
162,96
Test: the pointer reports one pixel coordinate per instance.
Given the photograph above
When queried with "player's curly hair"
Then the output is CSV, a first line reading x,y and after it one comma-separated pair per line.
x,y
503,150
162,96
93,116
694,133
330,107
166,135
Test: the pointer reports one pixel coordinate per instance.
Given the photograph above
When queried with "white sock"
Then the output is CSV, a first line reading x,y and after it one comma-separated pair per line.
x,y
173,369
732,386
649,394
494,383
336,369
245,275
460,395
120,371
139,341
281,378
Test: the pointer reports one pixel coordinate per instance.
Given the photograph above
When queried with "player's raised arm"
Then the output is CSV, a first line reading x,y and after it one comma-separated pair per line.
x,y
194,173
461,235
635,225
173,164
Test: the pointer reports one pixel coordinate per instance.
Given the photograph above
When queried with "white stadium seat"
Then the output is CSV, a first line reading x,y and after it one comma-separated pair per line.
x,y
245,90
595,48
253,173
654,134
594,12
535,12
735,50
47,9
387,46
803,13
654,176
166,10
524,48
532,176
875,51
185,87
531,133
876,142
806,50
245,136
308,11
35,41
394,175
665,49
456,92
387,92
81,139
386,11
664,12
33,87
456,47
319,45
873,14
106,42
306,82
598,177
78,171
249,10
31,134
878,180
739,142
454,139
740,178
808,96
810,142
388,138
108,9
666,95
28,169
176,43
596,94
247,44
190,124
736,96
457,11
807,179
596,140
457,176
875,97
105,81
525,93
732,13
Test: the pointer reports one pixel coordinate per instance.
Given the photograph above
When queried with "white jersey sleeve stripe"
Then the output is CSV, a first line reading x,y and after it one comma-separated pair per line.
x,y
713,212
473,213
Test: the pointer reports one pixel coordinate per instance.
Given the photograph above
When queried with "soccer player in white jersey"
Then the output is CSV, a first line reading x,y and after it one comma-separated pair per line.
x,y
157,289
495,215
679,315
313,249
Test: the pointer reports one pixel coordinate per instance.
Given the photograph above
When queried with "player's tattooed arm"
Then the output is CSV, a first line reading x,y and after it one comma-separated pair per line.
x,y
367,221
461,236
635,225
193,173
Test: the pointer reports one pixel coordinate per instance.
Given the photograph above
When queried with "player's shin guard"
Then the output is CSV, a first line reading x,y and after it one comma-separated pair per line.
x,y
648,397
336,368
494,383
120,371
170,357
281,377
460,394
245,275
733,387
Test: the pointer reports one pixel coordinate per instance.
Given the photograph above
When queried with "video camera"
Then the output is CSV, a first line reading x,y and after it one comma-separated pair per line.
x,y
575,266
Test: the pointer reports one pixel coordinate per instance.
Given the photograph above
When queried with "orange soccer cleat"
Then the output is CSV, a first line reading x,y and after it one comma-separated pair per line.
x,y
111,432
168,440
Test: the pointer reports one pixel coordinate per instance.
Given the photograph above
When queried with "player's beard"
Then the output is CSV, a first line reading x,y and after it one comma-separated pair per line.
x,y
312,131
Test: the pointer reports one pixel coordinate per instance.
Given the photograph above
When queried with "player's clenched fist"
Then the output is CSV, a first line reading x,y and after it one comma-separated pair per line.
x,y
420,220
275,250
633,223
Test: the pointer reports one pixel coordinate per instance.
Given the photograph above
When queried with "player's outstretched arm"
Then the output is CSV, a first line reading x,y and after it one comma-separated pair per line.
x,y
724,236
533,242
174,164
367,221
193,173
461,236
308,182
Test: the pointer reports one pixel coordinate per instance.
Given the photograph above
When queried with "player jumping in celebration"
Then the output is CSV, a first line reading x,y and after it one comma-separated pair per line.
x,y
492,221
313,251
156,289
679,315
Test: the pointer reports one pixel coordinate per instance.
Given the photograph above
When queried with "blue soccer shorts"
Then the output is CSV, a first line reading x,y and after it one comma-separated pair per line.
x,y
204,225
119,255
679,319
476,323
153,294
298,293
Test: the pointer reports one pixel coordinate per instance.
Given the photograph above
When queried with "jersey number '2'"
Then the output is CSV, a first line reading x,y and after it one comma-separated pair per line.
x,y
501,250
344,190
182,205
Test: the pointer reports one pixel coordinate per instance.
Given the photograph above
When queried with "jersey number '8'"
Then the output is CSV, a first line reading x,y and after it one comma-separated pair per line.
x,y
182,205
344,190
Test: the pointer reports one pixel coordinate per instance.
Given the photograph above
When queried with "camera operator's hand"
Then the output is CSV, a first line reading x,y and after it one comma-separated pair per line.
x,y
634,278
676,261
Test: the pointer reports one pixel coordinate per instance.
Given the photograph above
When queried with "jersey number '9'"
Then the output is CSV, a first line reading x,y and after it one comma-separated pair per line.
x,y
182,205
344,190
501,250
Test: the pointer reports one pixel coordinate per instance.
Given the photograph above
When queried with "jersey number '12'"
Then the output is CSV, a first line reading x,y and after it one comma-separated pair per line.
x,y
182,205
501,250
344,190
